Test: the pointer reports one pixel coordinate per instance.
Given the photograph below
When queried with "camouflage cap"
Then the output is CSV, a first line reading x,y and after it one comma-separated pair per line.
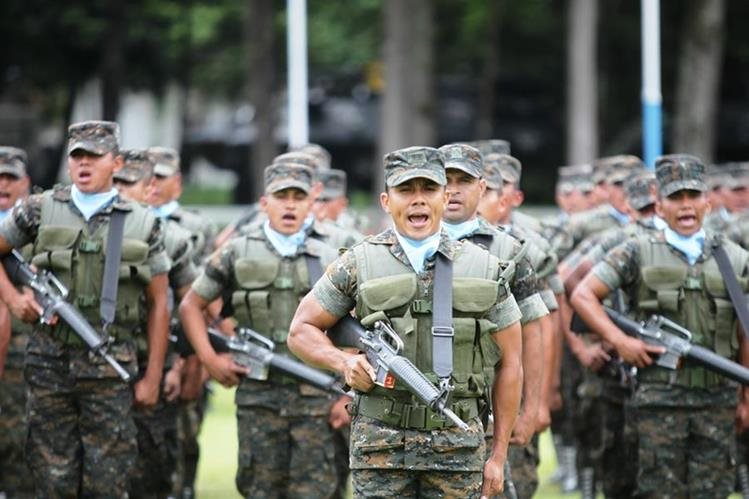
x,y
95,137
165,161
333,184
299,158
13,161
137,166
318,152
621,167
414,162
715,176
575,177
676,172
462,157
492,146
508,166
640,189
737,176
280,176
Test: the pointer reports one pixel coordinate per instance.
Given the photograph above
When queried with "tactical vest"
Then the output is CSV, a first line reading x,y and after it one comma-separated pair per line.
x,y
387,285
268,288
693,296
65,246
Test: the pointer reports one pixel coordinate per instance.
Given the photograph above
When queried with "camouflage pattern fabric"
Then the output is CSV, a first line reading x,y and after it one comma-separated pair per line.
x,y
374,483
333,184
286,446
675,172
414,162
97,137
524,462
189,420
165,161
462,157
13,161
280,176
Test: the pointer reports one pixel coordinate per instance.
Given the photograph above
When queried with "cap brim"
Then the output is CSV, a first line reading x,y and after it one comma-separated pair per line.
x,y
416,173
127,175
328,194
163,170
90,147
508,177
288,184
683,185
11,170
458,165
641,202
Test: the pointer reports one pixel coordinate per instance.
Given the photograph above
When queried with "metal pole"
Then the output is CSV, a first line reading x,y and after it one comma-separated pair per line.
x,y
296,11
652,139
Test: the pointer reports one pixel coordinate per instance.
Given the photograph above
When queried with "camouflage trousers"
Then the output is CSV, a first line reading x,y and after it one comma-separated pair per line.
x,y
341,439
563,421
81,435
523,468
15,475
284,456
189,420
685,452
154,471
374,483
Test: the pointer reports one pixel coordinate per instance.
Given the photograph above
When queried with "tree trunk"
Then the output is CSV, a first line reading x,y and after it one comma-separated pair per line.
x,y
490,74
261,73
113,61
698,83
407,113
582,89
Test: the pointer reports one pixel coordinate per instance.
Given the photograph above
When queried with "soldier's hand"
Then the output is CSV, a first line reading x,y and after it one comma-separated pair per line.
x,y
223,369
593,356
525,426
172,384
339,416
25,307
543,421
494,479
637,352
359,373
146,392
742,417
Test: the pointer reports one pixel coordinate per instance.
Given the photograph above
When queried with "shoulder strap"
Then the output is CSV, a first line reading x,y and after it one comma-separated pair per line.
x,y
108,301
732,284
483,240
314,268
442,318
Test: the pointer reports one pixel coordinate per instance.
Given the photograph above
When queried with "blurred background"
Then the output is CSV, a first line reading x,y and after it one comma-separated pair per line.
x,y
559,79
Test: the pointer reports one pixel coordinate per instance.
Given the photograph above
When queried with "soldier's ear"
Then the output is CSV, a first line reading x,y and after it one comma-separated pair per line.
x,y
119,162
385,202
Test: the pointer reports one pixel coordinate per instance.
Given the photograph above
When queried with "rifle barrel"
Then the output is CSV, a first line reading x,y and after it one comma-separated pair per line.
x,y
721,365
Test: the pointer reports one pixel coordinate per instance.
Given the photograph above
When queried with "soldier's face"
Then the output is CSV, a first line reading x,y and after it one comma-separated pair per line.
x,y
135,191
92,173
162,190
463,194
495,207
11,188
737,199
513,194
286,209
617,197
416,207
683,210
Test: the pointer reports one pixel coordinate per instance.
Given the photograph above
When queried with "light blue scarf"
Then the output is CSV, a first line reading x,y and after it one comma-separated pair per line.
x,y
4,213
285,245
418,251
308,221
165,209
659,223
726,215
621,218
691,246
91,204
461,230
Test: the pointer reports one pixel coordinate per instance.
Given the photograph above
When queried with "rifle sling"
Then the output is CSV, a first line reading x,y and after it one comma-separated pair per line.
x,y
442,318
732,285
314,268
112,258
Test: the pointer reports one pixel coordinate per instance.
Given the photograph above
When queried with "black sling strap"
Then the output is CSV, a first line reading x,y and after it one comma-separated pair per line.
x,y
483,240
112,258
732,284
314,268
442,318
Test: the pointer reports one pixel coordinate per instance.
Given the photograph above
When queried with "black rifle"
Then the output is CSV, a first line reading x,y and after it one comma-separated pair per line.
x,y
50,294
678,343
254,351
383,346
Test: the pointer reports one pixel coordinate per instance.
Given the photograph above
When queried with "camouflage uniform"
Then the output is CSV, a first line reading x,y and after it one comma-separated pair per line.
x,y
286,446
396,458
684,419
81,437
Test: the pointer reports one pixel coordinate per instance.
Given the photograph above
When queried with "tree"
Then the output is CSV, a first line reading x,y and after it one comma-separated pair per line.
x,y
699,79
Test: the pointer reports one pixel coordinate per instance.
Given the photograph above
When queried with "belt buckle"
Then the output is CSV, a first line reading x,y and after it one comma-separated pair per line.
x,y
443,331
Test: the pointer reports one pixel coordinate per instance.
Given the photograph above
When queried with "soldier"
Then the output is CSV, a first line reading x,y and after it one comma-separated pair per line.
x,y
322,156
574,190
81,436
285,442
684,418
410,451
15,479
733,191
465,186
158,444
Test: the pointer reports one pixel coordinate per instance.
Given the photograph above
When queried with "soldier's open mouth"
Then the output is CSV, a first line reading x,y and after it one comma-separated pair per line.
x,y
687,219
289,217
418,220
454,204
4,195
84,175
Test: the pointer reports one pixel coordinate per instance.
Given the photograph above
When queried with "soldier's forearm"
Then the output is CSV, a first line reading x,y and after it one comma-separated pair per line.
x,y
310,344
533,359
158,337
193,322
505,403
548,341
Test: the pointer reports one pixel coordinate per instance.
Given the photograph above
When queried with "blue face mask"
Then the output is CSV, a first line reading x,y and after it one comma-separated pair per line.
x,y
166,209
418,251
91,204
621,218
308,221
286,245
461,230
691,246
4,213
659,223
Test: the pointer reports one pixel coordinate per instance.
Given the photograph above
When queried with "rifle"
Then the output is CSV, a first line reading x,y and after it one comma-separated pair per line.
x,y
50,294
677,341
254,351
383,346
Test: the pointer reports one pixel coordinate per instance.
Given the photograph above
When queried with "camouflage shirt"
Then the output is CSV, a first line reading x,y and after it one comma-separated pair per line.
x,y
337,290
581,226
